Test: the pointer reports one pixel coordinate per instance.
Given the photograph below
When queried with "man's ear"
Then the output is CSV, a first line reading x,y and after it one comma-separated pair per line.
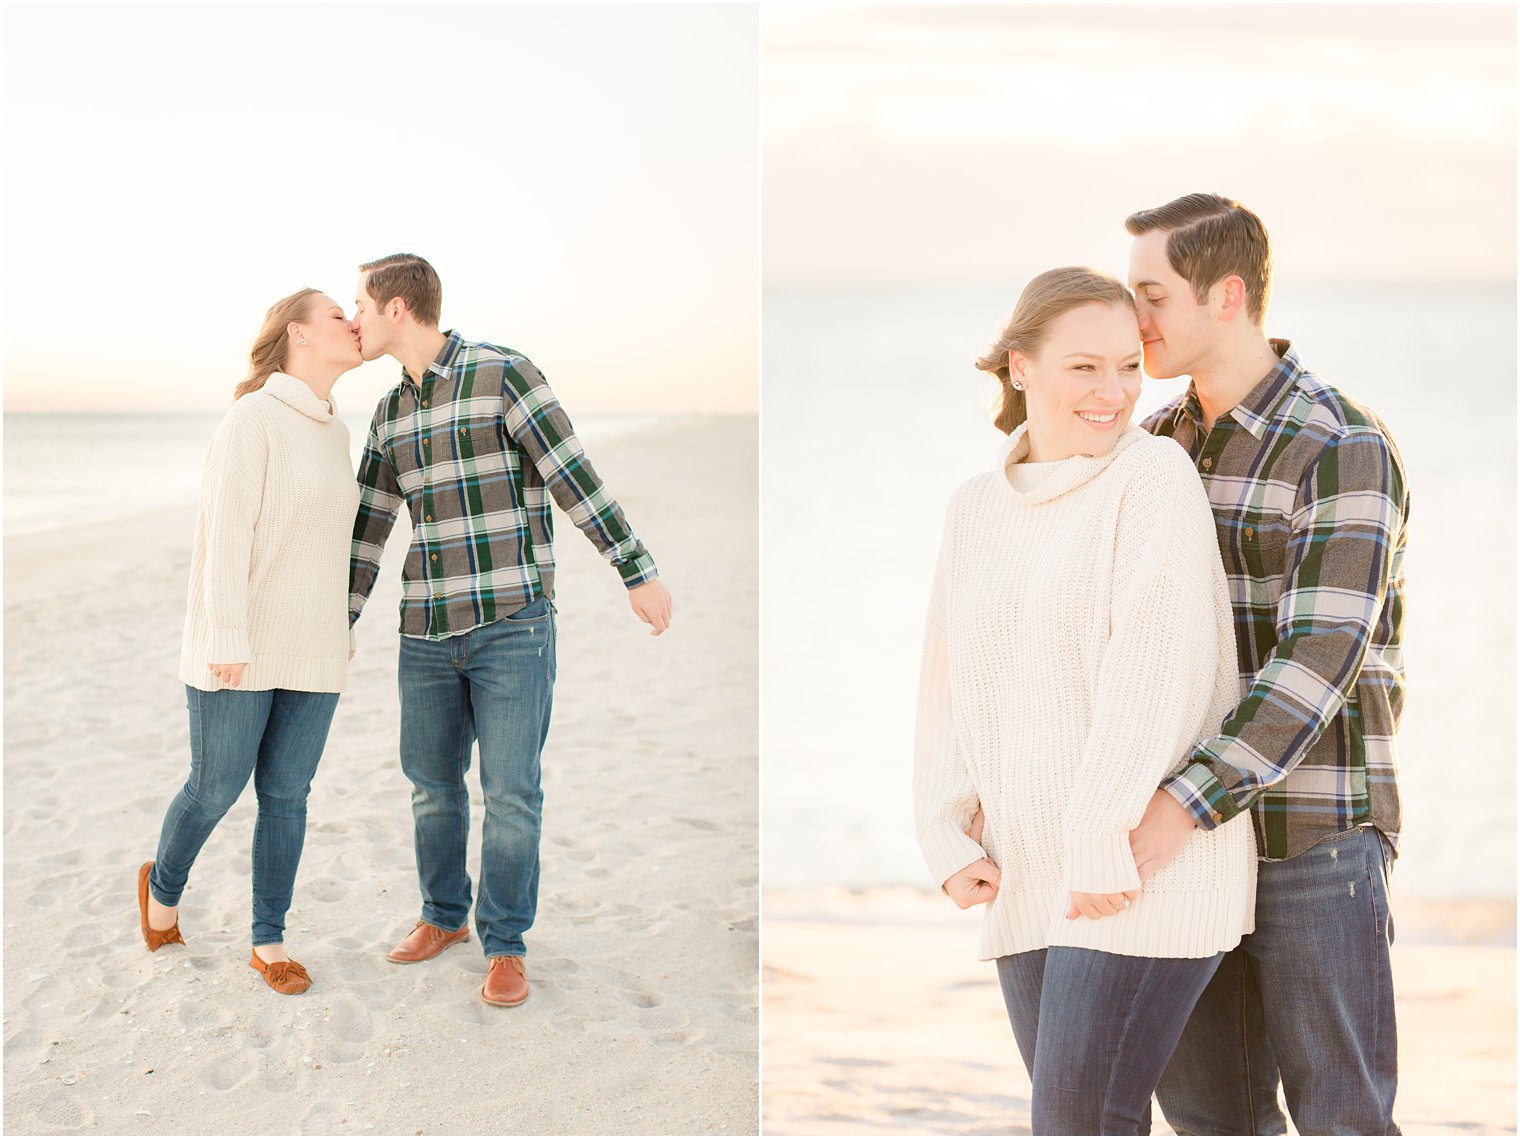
x,y
1232,294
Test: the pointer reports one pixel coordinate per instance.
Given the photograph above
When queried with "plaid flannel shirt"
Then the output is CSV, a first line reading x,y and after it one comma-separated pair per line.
x,y
475,449
1311,508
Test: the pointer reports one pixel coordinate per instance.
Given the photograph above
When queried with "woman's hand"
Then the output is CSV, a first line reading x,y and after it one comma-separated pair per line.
x,y
229,674
972,885
1097,906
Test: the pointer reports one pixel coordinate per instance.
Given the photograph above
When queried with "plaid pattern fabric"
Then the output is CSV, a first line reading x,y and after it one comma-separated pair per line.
x,y
475,450
1311,508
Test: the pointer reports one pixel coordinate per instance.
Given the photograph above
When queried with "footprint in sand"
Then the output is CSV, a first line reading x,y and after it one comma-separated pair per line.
x,y
227,1073
325,889
678,1038
632,989
350,1021
63,1111
323,1117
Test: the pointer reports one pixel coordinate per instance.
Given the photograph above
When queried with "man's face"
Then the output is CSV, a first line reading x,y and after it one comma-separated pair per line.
x,y
370,323
1178,333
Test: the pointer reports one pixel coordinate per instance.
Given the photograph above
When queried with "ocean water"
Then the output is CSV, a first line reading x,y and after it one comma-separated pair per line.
x,y
872,414
61,470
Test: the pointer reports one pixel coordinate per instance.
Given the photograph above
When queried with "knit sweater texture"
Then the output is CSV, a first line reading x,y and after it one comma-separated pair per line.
x,y
269,575
1079,641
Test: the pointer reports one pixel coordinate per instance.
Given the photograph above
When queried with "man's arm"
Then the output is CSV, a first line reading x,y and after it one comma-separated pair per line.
x,y
380,501
538,424
1348,510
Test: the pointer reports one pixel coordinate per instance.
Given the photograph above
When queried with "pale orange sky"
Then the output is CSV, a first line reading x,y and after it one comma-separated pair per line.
x,y
959,144
584,178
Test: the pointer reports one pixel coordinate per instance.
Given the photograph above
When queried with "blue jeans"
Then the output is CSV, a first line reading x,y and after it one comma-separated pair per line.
x,y
1308,996
1095,1030
494,684
276,736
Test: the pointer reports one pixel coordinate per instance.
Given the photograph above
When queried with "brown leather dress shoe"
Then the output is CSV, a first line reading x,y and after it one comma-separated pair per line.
x,y
287,977
506,983
425,942
155,938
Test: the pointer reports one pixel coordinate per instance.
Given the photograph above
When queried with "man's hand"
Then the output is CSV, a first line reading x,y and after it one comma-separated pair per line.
x,y
231,674
651,604
972,885
1163,831
1095,906
978,821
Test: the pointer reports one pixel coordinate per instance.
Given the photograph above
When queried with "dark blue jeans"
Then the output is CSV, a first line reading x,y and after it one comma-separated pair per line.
x,y
494,684
276,736
1308,996
1095,1030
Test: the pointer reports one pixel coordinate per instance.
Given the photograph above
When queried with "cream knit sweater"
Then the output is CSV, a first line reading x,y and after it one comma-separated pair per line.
x,y
269,576
1079,641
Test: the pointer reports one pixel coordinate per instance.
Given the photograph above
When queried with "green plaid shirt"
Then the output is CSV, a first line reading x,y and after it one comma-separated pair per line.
x,y
1311,507
475,450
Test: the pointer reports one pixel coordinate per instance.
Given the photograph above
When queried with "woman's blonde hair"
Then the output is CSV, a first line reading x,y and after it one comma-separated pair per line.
x,y
1049,296
271,345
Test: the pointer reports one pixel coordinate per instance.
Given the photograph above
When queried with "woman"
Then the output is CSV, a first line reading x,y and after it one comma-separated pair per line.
x,y
266,641
1079,641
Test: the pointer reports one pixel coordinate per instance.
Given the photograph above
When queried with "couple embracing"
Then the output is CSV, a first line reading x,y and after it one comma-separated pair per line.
x,y
1161,679
287,550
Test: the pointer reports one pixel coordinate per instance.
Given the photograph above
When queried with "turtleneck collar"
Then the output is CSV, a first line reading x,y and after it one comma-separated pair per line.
x,y
1065,474
294,393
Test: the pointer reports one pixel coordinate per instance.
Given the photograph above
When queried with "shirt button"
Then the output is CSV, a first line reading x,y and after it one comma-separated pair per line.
x,y
1250,533
429,517
464,431
1218,818
424,403
1207,463
437,597
425,441
435,557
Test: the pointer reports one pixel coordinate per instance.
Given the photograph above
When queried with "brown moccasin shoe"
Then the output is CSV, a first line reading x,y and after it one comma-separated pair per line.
x,y
506,982
287,977
155,938
425,942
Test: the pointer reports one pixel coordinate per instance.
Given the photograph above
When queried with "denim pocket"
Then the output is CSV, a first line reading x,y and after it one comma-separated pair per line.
x,y
535,610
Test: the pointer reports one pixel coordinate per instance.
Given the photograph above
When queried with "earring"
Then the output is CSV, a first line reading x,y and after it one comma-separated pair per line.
x,y
302,342
1018,387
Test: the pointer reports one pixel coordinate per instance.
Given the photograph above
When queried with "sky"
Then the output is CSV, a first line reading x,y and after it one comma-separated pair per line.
x,y
583,178
956,144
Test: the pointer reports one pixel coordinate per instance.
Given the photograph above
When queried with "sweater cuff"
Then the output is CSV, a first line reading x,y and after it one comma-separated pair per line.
x,y
229,646
1100,863
947,849
352,646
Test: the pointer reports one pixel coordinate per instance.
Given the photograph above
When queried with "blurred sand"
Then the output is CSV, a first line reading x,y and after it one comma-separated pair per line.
x,y
643,964
879,1020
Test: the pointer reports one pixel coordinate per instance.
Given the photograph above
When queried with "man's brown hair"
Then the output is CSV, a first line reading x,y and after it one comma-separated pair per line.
x,y
409,277
1209,238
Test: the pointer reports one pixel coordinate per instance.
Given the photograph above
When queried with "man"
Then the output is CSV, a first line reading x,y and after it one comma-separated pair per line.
x,y
473,441
1311,506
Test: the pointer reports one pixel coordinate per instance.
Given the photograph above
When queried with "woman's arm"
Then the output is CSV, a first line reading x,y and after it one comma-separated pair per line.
x,y
1157,679
232,493
945,799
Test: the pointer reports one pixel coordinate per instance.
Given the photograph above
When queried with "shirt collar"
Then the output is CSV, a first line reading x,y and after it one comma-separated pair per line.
x,y
444,361
1256,410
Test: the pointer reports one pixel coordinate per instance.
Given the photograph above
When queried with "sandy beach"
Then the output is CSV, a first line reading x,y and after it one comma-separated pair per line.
x,y
878,1019
643,960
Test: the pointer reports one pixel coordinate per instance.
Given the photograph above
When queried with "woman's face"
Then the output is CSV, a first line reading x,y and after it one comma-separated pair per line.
x,y
1080,386
330,336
